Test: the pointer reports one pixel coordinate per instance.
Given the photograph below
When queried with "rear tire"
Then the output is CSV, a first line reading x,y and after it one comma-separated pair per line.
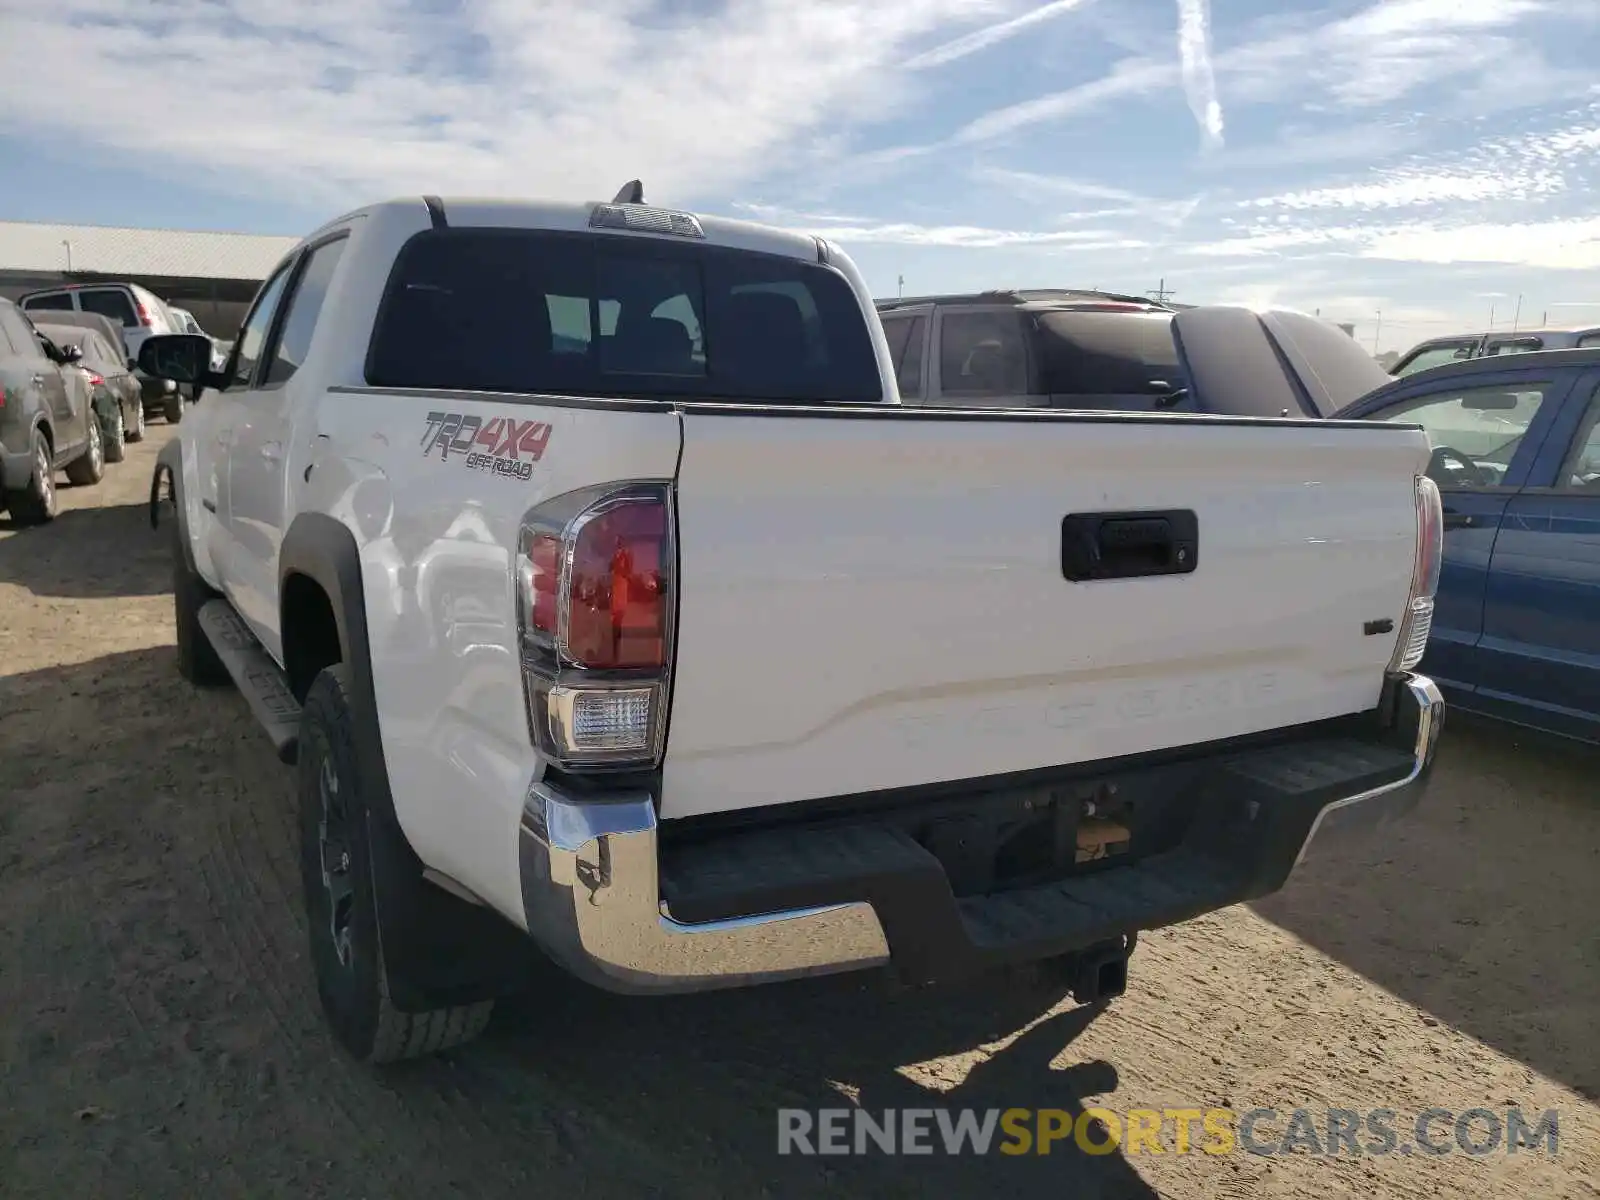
x,y
89,468
197,658
340,901
34,503
172,407
115,435
133,422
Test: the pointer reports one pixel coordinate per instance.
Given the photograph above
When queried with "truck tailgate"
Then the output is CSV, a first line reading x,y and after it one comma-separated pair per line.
x,y
872,601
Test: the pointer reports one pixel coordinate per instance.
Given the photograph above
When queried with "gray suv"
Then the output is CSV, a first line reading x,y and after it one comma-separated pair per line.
x,y
46,420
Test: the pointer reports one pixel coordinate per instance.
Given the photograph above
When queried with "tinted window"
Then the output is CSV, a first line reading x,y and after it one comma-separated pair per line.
x,y
108,303
982,354
61,302
13,339
1520,346
253,333
18,333
580,314
906,336
1474,432
304,307
1106,354
1435,356
895,331
909,369
1589,339
1581,471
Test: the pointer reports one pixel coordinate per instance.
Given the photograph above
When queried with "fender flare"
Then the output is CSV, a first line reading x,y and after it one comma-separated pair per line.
x,y
439,951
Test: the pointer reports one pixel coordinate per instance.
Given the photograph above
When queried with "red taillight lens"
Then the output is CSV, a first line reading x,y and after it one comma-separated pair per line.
x,y
616,597
543,555
596,608
97,380
144,314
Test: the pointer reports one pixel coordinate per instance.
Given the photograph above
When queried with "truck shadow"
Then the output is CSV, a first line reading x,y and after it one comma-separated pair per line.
x,y
88,554
836,1044
1478,907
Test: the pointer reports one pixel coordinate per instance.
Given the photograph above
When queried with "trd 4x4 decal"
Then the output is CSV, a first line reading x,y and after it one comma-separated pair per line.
x,y
502,446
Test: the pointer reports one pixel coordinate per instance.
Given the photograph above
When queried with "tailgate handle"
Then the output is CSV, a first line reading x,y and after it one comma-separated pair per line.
x,y
1129,545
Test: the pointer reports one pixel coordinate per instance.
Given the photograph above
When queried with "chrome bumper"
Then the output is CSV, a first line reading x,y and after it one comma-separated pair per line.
x,y
592,896
592,899
1420,720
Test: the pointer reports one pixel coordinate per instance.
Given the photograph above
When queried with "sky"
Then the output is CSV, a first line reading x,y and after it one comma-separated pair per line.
x,y
1413,166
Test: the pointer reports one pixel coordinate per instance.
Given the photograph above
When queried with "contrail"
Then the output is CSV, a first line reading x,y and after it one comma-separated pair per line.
x,y
1199,84
989,35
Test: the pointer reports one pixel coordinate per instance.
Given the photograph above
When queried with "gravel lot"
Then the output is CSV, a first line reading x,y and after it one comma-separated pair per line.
x,y
159,1035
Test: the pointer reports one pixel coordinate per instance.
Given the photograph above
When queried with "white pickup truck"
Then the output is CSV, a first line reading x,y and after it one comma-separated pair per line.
x,y
585,563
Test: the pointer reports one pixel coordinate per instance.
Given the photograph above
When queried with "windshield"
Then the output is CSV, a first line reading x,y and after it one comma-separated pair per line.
x,y
595,315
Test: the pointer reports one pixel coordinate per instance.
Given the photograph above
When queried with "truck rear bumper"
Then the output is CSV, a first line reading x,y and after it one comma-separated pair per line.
x,y
606,898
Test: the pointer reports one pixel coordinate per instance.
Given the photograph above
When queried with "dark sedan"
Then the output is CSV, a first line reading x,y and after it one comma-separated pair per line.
x,y
1516,627
118,401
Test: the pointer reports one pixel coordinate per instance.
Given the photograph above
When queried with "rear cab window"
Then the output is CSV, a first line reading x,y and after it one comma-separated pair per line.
x,y
581,314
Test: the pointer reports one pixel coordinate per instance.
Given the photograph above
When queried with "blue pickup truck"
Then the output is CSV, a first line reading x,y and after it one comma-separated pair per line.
x,y
1516,628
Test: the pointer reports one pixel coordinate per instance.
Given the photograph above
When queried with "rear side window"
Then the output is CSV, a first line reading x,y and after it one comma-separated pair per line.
x,y
906,337
17,332
305,305
595,315
1435,356
1106,354
61,302
982,354
8,336
108,303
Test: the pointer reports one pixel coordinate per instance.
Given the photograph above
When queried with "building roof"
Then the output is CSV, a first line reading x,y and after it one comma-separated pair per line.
x,y
107,250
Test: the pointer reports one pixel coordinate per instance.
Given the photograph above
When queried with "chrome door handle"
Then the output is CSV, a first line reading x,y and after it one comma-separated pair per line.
x,y
272,451
38,381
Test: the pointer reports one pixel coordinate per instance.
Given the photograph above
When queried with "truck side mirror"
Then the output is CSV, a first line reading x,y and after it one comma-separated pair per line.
x,y
183,358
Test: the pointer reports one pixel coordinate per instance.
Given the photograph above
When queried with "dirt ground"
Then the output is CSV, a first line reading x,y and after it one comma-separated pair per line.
x,y
159,1034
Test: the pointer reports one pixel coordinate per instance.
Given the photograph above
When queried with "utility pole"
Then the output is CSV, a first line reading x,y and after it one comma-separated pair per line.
x,y
1161,293
1376,330
68,245
1516,316
1491,318
900,281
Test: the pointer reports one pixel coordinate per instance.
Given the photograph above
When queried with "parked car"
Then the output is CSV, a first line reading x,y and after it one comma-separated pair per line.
x,y
117,398
1516,457
46,420
1081,350
188,324
1438,351
138,310
946,689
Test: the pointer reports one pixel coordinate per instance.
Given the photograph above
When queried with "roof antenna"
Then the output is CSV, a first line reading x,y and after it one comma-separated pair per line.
x,y
632,193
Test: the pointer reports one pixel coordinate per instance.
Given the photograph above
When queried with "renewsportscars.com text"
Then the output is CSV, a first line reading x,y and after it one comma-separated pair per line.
x,y
1343,1132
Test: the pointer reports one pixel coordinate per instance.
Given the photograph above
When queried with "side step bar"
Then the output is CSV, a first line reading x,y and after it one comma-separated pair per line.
x,y
260,680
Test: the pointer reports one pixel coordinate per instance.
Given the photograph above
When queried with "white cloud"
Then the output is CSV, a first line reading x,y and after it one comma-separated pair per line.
x,y
1402,190
990,35
865,231
342,97
1199,82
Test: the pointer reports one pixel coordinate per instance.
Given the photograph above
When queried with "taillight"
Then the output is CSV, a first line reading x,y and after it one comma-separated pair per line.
x,y
1418,620
143,314
97,380
595,611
